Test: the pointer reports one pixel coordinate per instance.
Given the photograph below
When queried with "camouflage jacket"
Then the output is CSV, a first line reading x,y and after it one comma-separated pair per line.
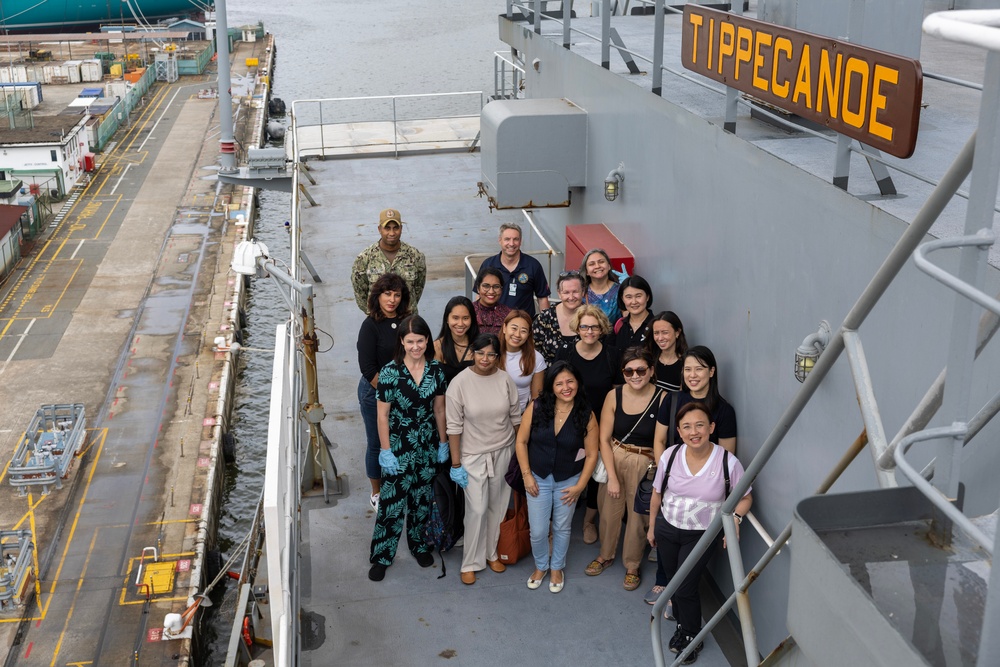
x,y
371,263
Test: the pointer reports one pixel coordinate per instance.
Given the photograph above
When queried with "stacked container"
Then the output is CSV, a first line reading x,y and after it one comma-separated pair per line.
x,y
90,71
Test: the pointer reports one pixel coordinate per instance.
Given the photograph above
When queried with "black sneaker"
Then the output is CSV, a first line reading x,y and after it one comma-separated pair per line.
x,y
693,655
377,572
676,640
424,559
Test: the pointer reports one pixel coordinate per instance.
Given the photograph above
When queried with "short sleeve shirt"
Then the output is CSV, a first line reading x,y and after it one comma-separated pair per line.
x,y
411,406
724,416
691,500
521,285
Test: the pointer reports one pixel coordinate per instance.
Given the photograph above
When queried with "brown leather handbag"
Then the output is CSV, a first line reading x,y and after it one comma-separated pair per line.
x,y
515,535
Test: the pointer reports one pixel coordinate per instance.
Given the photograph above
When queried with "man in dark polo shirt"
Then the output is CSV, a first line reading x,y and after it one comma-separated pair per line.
x,y
523,277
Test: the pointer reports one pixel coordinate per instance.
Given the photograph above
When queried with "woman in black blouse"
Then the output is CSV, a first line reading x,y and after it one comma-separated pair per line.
x,y
458,329
635,299
667,344
598,366
388,303
557,452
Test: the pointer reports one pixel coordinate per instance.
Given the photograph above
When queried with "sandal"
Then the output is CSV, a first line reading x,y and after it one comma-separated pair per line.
x,y
632,581
597,566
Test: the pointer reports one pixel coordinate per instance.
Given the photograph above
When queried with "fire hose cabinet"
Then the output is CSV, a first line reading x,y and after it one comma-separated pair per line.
x,y
580,239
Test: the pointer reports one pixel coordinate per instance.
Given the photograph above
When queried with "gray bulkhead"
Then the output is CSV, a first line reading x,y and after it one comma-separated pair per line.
x,y
752,251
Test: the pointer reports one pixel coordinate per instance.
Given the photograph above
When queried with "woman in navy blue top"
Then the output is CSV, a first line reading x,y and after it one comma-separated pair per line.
x,y
557,449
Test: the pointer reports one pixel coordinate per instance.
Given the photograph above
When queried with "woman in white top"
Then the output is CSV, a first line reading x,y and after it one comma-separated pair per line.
x,y
519,358
483,414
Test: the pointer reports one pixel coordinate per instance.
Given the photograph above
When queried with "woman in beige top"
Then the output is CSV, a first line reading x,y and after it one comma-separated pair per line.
x,y
482,414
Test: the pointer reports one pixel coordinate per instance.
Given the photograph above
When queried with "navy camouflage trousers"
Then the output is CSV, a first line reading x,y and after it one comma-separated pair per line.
x,y
407,493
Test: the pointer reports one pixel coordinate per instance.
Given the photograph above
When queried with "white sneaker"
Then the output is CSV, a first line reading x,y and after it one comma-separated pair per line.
x,y
374,501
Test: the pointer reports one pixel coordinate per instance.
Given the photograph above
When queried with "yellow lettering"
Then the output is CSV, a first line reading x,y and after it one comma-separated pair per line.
x,y
887,74
696,21
855,68
781,45
763,39
726,46
803,79
744,49
829,83
711,40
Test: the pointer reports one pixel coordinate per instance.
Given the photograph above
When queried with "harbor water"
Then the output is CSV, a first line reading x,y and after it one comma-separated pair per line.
x,y
325,50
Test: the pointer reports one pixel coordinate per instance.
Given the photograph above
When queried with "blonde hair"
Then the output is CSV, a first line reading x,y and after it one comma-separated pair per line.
x,y
593,311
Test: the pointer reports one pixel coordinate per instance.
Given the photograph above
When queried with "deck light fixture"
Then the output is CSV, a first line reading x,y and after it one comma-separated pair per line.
x,y
613,183
810,349
245,258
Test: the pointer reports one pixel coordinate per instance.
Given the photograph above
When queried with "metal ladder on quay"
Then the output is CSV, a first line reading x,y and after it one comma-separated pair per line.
x,y
836,613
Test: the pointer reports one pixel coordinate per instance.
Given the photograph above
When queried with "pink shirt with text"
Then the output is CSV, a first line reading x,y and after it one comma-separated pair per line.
x,y
691,501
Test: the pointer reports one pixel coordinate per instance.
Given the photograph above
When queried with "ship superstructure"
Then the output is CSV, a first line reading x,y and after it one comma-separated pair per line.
x,y
785,247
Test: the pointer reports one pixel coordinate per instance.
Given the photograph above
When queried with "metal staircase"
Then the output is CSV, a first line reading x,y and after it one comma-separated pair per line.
x,y
897,575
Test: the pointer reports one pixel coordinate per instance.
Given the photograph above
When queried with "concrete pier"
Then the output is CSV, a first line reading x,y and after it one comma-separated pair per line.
x,y
118,307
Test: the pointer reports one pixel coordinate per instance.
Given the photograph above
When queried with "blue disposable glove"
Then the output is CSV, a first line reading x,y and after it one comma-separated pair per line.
x,y
459,476
389,462
623,274
444,451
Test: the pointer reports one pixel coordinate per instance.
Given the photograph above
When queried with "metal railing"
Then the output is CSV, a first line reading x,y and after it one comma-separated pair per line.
x,y
315,121
508,76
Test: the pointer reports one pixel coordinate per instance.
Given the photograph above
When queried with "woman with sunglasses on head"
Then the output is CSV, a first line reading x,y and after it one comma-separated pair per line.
x,y
667,344
519,358
692,481
602,283
597,363
557,452
413,440
627,429
635,299
551,329
490,313
483,412
388,304
458,330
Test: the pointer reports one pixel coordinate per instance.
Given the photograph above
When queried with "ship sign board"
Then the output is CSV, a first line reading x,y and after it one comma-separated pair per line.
x,y
863,93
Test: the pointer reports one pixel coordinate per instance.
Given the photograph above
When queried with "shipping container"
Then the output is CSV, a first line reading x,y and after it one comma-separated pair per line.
x,y
72,68
91,71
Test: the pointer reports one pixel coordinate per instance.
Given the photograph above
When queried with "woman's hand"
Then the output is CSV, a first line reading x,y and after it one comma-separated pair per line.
x,y
572,493
613,488
650,537
530,485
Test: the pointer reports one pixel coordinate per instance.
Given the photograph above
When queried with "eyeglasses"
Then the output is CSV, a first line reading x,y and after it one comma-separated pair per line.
x,y
640,372
589,327
490,288
488,355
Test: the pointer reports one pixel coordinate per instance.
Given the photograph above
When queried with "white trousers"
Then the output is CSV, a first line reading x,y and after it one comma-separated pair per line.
x,y
486,499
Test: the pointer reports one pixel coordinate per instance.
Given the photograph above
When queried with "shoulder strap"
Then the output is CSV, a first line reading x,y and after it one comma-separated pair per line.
x,y
725,471
672,434
641,414
666,473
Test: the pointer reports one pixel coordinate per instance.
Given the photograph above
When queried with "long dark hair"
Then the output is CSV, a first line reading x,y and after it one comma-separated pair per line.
x,y
447,342
544,412
680,344
705,357
413,324
638,282
527,347
388,282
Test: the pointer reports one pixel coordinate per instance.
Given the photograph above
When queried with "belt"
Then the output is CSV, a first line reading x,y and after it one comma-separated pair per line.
x,y
645,451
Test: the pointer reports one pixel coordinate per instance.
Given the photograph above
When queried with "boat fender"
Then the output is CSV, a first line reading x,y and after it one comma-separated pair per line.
x,y
229,447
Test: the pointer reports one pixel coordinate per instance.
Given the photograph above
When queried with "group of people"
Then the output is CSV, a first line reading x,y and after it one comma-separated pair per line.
x,y
597,377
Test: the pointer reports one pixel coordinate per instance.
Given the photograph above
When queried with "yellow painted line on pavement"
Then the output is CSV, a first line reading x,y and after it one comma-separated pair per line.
x,y
34,551
103,434
76,520
76,596
52,307
113,207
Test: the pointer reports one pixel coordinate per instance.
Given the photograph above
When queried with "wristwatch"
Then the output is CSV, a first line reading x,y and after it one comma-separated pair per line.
x,y
738,517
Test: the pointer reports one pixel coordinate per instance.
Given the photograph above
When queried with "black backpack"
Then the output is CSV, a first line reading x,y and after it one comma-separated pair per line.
x,y
446,523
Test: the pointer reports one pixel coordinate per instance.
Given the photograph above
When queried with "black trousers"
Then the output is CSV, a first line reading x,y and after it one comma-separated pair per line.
x,y
673,545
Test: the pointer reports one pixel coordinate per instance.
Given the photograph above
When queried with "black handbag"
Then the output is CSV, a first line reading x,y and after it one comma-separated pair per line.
x,y
644,490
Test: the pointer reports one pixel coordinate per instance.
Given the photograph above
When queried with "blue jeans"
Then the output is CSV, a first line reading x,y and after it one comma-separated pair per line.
x,y
369,415
548,504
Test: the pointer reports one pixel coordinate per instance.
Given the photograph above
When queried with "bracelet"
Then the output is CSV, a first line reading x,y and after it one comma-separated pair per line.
x,y
456,465
526,474
739,518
